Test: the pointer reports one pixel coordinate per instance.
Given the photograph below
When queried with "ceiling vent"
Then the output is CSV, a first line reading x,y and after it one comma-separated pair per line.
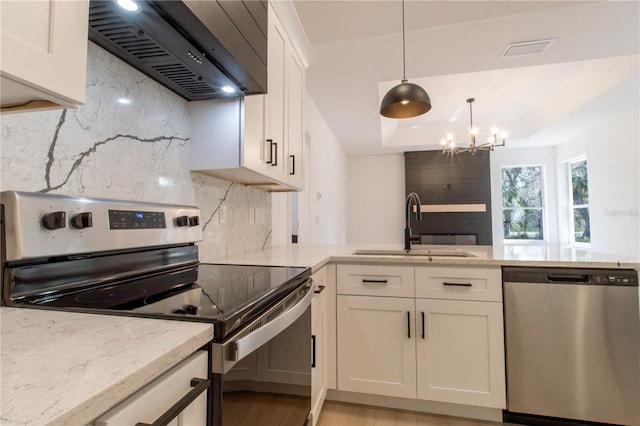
x,y
526,48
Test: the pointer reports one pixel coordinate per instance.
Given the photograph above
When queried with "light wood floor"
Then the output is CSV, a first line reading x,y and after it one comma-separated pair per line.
x,y
341,414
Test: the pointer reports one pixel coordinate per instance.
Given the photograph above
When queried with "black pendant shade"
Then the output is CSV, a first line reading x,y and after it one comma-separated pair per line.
x,y
405,100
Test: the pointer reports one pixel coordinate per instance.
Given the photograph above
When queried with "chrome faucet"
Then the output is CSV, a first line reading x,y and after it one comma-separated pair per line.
x,y
412,197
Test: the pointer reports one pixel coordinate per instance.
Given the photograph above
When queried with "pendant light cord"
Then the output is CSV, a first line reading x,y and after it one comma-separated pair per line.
x,y
404,67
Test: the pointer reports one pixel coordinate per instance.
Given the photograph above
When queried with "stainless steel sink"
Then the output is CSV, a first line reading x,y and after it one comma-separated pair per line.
x,y
415,252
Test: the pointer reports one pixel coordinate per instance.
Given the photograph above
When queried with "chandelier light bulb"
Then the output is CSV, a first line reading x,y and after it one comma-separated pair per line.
x,y
449,136
494,130
474,131
443,142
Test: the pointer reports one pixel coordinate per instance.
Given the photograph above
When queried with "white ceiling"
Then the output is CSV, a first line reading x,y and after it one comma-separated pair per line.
x,y
454,52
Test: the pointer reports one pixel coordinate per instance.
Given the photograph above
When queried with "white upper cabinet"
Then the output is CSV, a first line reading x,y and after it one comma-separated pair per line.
x,y
295,121
259,143
44,54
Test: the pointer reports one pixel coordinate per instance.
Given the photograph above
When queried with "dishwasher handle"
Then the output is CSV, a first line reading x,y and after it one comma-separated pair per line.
x,y
568,278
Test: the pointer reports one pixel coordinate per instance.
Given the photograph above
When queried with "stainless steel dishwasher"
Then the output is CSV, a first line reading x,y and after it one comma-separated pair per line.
x,y
572,345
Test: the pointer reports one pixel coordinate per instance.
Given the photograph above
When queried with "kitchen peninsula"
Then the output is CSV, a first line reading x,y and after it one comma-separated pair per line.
x,y
316,256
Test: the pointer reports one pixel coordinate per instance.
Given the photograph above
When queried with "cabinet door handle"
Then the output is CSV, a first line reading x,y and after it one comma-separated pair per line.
x,y
422,314
270,142
275,157
199,386
409,324
313,351
365,280
319,290
458,284
293,164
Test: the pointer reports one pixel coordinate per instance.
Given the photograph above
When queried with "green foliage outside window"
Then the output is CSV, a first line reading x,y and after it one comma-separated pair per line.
x,y
522,203
580,201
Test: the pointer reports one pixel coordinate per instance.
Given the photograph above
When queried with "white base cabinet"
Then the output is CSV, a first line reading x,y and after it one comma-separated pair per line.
x,y
149,403
318,353
447,349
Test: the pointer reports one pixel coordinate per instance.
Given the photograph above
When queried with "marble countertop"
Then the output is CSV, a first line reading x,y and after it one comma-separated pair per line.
x,y
63,368
316,256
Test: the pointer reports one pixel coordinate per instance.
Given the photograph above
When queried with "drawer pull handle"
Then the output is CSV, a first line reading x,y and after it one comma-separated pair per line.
x,y
313,351
458,284
199,386
275,157
364,280
319,290
270,142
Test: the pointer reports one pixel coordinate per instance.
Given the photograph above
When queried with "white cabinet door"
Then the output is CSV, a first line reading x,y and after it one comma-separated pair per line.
x,y
275,98
460,351
44,53
148,404
376,345
318,333
295,120
253,153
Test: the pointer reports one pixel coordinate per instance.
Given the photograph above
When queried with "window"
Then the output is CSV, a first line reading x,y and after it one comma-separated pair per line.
x,y
522,203
580,231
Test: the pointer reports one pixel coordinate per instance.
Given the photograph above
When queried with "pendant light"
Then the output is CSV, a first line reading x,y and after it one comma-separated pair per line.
x,y
405,100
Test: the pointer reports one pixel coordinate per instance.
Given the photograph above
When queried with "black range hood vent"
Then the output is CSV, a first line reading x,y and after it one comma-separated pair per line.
x,y
168,42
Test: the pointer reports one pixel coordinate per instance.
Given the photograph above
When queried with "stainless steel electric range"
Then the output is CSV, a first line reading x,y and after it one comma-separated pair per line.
x,y
141,259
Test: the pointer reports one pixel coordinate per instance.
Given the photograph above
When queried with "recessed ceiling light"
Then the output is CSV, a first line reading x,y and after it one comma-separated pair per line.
x,y
124,101
228,89
129,5
525,48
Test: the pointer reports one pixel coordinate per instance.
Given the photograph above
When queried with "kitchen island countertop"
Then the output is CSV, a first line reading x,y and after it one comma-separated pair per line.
x,y
316,256
64,368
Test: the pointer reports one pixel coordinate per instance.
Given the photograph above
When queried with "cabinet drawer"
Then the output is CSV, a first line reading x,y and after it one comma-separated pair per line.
x,y
150,402
376,280
459,283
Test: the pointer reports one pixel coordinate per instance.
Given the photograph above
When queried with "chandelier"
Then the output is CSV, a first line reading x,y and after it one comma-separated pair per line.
x,y
449,145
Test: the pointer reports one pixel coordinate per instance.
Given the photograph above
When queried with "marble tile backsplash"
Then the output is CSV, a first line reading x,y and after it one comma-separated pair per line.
x,y
133,151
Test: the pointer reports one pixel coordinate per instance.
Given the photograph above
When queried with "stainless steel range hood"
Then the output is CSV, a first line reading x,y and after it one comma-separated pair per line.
x,y
193,47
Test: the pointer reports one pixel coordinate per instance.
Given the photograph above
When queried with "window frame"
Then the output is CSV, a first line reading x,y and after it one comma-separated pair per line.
x,y
543,208
571,207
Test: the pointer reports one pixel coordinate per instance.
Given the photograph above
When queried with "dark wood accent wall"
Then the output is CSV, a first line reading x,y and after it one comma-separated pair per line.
x,y
440,178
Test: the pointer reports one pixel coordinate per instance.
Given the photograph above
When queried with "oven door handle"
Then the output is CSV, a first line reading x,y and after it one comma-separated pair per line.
x,y
245,345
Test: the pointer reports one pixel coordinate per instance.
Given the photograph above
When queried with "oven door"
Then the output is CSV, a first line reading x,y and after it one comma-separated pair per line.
x,y
262,376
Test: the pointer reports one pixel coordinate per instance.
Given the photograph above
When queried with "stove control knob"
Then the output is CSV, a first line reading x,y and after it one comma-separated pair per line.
x,y
182,221
82,220
194,221
54,220
191,309
179,311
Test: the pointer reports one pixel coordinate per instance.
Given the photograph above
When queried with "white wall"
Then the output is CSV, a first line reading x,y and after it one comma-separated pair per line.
x,y
613,161
376,199
323,204
544,157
